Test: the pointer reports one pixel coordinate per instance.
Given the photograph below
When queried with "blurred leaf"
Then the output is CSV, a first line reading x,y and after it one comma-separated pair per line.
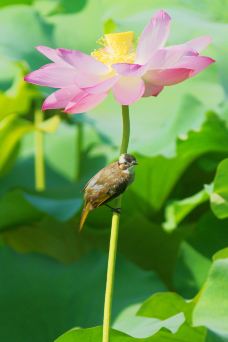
x,y
15,2
48,237
191,270
12,129
56,146
219,9
60,162
46,7
52,7
72,6
165,305
222,254
15,210
22,176
219,196
212,337
206,8
158,175
17,41
148,245
17,98
50,125
60,209
178,210
185,334
8,72
45,298
212,306
129,322
83,38
156,123
170,306
93,334
95,153
142,327
209,235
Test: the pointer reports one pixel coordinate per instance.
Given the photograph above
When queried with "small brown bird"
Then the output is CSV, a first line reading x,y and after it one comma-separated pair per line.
x,y
107,184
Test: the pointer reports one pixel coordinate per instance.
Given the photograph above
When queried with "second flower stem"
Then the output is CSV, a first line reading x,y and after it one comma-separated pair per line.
x,y
39,153
79,140
114,237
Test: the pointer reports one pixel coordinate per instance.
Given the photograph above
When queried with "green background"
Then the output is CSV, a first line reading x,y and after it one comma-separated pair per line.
x,y
174,226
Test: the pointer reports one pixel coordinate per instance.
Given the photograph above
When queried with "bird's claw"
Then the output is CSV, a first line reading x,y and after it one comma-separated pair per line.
x,y
117,210
114,210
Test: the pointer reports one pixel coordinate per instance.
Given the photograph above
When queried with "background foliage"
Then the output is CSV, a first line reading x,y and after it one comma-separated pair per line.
x,y
172,268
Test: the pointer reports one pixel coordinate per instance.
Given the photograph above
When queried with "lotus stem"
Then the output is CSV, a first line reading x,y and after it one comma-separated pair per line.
x,y
78,148
39,153
114,237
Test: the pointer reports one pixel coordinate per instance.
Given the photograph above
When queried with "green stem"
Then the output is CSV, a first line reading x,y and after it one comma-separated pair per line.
x,y
114,237
126,129
39,153
78,147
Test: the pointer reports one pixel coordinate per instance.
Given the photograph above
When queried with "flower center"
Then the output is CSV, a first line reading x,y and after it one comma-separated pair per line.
x,y
118,48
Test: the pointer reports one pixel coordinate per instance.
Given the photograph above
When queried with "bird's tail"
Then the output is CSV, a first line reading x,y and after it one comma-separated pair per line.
x,y
84,215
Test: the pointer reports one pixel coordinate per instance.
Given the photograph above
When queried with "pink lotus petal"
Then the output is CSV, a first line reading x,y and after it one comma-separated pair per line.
x,y
127,69
168,57
152,90
199,44
83,62
167,77
53,75
84,102
50,53
196,63
60,98
153,37
85,80
128,90
102,86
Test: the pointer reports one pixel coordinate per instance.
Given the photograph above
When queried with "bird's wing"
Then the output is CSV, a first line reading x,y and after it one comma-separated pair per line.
x,y
92,180
100,177
102,198
99,189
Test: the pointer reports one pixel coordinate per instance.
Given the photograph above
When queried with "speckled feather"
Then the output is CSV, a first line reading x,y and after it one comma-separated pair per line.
x,y
107,184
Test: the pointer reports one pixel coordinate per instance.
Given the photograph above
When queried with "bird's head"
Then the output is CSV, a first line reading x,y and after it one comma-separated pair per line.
x,y
127,161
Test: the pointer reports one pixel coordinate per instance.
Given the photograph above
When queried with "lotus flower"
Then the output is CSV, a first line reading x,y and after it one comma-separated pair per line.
x,y
129,72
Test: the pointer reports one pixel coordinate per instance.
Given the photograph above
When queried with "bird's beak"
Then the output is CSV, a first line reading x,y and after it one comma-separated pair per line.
x,y
135,163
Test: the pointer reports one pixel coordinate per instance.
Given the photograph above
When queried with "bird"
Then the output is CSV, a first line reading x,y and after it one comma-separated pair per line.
x,y
107,184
